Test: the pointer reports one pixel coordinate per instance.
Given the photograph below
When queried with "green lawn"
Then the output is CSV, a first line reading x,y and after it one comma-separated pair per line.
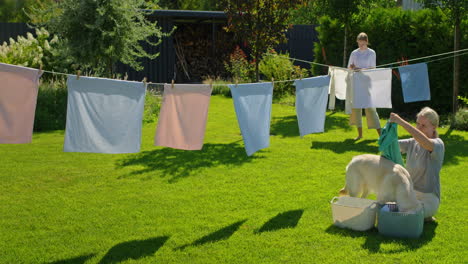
x,y
211,206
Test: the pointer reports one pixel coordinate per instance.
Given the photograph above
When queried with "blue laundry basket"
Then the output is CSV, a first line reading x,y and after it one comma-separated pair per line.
x,y
400,224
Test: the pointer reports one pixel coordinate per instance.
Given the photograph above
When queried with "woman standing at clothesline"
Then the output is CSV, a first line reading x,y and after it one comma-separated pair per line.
x,y
363,58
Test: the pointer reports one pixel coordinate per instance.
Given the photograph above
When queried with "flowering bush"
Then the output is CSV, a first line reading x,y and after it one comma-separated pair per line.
x,y
239,67
28,51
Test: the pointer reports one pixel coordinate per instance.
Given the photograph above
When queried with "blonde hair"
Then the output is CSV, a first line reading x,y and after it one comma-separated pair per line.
x,y
362,36
430,114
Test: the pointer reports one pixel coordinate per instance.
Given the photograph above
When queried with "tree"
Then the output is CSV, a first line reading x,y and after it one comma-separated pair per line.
x,y
260,23
341,10
100,33
10,11
456,9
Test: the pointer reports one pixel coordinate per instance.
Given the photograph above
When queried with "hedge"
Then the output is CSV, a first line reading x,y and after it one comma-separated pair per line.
x,y
393,34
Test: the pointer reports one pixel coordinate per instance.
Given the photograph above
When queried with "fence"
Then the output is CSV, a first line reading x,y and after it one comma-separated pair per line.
x,y
163,68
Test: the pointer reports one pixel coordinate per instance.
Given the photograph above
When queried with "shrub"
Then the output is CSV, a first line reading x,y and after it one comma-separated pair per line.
x,y
463,100
152,107
219,86
51,108
99,34
27,51
34,52
281,68
239,67
461,120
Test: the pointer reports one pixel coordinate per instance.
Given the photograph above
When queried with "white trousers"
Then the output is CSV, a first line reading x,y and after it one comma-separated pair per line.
x,y
373,122
430,203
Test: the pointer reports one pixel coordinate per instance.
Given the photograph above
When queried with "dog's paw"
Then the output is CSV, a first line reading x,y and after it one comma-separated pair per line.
x,y
343,192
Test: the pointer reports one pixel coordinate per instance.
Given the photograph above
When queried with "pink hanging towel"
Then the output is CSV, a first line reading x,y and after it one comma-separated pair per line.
x,y
182,119
18,96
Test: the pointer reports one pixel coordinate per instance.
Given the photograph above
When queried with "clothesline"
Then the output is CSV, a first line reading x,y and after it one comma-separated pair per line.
x,y
431,56
460,53
382,65
87,131
69,74
448,57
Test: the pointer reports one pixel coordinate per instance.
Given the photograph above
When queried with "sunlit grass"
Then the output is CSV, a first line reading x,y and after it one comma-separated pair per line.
x,y
211,206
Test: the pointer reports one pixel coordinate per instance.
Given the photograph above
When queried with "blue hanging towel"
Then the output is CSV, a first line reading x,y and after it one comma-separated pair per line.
x,y
388,143
311,104
252,103
415,82
104,115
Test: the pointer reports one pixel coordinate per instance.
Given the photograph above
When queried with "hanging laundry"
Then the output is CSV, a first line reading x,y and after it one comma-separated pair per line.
x,y
372,88
18,96
415,82
341,87
183,115
388,143
338,85
104,115
252,103
311,104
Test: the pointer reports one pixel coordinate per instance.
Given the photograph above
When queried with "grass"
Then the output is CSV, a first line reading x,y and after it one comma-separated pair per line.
x,y
212,206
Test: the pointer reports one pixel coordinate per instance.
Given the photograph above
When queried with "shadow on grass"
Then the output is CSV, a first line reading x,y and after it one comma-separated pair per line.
x,y
374,240
283,220
284,126
134,249
455,146
287,126
347,145
177,163
222,234
76,260
337,122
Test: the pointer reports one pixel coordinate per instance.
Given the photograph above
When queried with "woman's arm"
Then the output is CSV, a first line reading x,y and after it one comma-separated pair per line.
x,y
419,136
351,64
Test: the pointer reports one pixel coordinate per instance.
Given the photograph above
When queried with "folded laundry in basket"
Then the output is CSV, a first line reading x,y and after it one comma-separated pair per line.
x,y
389,207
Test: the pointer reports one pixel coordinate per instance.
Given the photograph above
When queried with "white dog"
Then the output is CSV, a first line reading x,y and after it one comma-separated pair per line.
x,y
388,180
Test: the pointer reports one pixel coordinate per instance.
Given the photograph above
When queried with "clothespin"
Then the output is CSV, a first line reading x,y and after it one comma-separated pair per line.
x,y
144,81
301,76
40,69
273,82
237,81
78,73
172,84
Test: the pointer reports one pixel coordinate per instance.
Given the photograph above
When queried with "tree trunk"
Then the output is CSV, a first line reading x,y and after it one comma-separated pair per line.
x,y
110,68
257,62
344,46
456,65
257,52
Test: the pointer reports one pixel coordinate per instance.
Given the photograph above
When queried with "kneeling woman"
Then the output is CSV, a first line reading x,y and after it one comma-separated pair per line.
x,y
424,157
